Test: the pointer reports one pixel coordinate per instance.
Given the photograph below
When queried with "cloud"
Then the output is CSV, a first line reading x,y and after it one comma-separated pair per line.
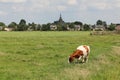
x,y
39,5
2,13
18,8
100,4
13,1
61,8
116,3
72,2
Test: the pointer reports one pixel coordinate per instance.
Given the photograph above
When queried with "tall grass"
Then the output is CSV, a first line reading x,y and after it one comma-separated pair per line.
x,y
44,56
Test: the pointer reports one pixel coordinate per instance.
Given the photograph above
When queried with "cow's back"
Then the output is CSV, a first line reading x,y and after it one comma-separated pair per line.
x,y
85,49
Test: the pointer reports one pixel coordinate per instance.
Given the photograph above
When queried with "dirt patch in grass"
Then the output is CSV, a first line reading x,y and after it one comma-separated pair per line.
x,y
102,59
76,73
116,50
105,58
2,54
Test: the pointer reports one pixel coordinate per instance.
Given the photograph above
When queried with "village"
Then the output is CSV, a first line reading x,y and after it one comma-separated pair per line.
x,y
60,25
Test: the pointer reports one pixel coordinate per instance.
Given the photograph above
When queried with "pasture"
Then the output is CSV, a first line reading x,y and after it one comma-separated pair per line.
x,y
44,56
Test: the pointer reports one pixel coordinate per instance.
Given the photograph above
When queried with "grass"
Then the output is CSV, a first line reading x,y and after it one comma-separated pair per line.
x,y
44,56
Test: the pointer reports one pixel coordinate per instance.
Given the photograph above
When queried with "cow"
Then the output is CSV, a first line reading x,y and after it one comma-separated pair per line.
x,y
81,52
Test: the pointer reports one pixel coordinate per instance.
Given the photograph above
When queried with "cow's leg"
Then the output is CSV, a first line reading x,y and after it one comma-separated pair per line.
x,y
83,59
79,57
86,59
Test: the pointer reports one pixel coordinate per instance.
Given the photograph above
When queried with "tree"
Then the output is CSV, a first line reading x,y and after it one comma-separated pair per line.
x,y
78,23
2,25
71,25
62,27
111,27
99,22
22,25
45,27
104,24
38,27
86,27
12,25
33,26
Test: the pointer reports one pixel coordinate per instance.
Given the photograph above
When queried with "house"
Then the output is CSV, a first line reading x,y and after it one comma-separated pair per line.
x,y
117,28
53,27
99,28
1,28
77,27
69,29
30,28
8,29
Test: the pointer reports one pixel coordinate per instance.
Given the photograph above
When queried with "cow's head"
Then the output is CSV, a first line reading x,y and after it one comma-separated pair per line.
x,y
70,59
76,54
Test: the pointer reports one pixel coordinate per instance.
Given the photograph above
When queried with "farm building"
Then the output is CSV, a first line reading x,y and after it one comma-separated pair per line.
x,y
99,28
117,28
8,29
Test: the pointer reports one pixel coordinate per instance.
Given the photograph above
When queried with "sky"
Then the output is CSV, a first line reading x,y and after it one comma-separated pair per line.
x,y
48,11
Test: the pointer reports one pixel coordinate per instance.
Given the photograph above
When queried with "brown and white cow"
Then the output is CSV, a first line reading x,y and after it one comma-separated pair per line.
x,y
81,52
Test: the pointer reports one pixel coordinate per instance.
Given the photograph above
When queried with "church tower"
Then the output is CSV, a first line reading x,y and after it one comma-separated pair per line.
x,y
60,19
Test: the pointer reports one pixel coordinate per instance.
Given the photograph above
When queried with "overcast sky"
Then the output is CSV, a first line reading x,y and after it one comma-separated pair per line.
x,y
44,11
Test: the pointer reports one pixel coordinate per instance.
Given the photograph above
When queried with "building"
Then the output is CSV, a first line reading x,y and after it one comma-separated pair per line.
x,y
8,29
61,25
99,28
77,27
53,27
60,22
117,28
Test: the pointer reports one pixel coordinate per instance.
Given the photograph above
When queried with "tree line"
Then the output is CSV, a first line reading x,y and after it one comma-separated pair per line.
x,y
23,26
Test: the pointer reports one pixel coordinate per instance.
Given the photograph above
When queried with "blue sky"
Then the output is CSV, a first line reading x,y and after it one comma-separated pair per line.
x,y
44,11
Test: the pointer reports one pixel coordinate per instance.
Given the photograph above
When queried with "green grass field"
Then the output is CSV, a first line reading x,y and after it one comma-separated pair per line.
x,y
44,56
